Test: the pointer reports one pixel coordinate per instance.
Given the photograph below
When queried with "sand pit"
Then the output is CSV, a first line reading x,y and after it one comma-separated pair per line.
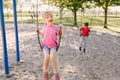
x,y
100,62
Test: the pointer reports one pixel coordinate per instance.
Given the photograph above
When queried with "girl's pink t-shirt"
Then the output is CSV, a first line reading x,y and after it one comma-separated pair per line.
x,y
50,36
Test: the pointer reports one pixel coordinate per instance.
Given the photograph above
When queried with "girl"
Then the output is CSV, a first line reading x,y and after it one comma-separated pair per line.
x,y
49,44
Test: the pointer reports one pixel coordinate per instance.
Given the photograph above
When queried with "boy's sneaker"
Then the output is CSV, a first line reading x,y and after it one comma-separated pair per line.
x,y
57,76
45,75
80,48
84,50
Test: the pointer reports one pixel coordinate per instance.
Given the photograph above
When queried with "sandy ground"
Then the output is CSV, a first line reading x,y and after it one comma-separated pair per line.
x,y
100,62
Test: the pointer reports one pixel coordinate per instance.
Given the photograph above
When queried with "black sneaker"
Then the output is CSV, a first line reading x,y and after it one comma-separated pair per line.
x,y
80,48
84,50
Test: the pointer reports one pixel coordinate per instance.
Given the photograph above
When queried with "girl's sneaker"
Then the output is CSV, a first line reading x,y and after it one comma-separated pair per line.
x,y
45,75
57,76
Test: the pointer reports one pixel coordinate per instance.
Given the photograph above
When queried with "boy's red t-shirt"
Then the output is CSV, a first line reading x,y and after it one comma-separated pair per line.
x,y
84,31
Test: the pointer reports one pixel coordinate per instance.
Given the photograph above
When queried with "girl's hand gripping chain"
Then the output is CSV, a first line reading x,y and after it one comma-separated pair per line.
x,y
37,30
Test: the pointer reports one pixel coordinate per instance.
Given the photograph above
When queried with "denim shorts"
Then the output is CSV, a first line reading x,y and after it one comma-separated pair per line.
x,y
47,48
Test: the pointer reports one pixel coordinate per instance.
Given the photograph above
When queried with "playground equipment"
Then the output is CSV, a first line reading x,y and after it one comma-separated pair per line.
x,y
6,63
4,38
37,25
2,24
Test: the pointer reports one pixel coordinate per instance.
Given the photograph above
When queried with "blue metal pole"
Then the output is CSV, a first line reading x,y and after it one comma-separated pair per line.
x,y
16,31
4,38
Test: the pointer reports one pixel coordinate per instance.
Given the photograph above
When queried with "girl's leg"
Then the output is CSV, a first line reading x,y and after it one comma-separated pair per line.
x,y
53,59
46,59
54,64
46,62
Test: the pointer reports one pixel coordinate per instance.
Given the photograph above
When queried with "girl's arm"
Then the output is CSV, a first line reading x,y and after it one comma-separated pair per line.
x,y
40,32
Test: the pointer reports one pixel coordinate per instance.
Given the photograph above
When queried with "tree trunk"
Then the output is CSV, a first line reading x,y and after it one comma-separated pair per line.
x,y
81,18
105,22
7,13
75,18
61,9
21,15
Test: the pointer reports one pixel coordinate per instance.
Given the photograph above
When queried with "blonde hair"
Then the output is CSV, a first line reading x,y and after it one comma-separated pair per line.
x,y
46,14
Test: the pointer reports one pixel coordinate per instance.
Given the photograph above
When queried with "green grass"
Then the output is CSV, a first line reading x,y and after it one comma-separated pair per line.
x,y
95,22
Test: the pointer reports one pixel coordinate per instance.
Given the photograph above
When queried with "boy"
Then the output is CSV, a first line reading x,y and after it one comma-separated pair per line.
x,y
84,33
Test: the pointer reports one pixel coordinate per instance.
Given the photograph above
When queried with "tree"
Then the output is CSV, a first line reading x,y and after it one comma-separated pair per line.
x,y
72,5
7,5
105,4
